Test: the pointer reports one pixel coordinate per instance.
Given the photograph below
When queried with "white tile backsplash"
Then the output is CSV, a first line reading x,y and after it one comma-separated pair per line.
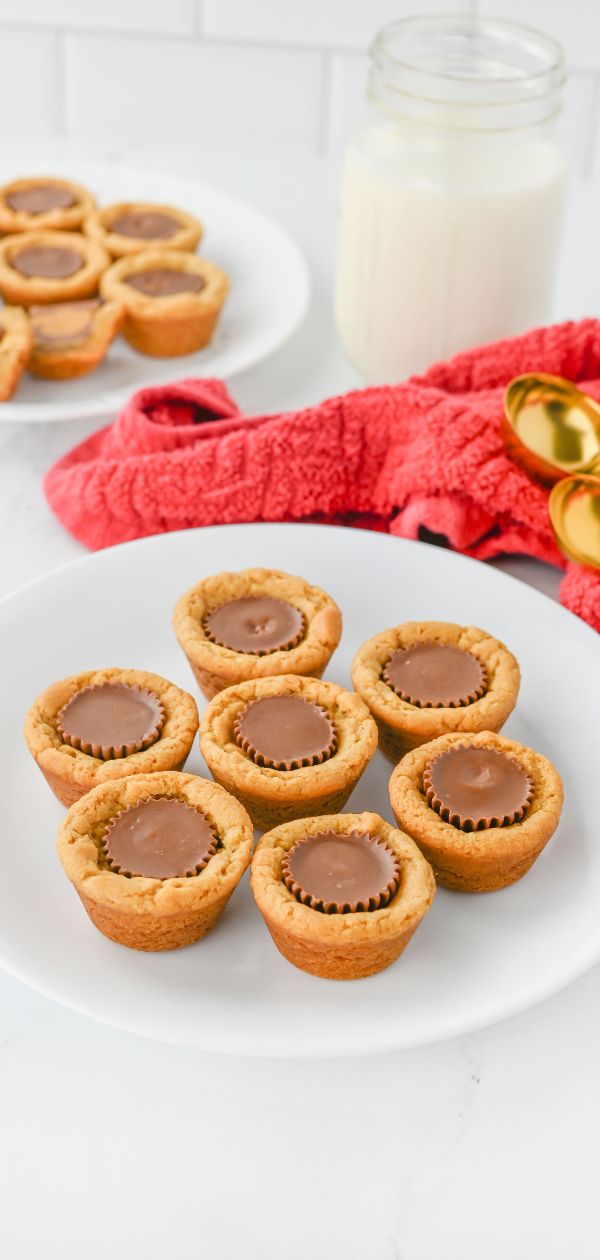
x,y
328,23
242,72
27,58
236,95
580,120
347,98
177,17
574,23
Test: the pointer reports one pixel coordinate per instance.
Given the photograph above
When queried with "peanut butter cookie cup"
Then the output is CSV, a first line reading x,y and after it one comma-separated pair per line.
x,y
15,348
43,203
287,747
424,678
341,894
40,267
130,226
155,858
480,807
108,724
255,624
71,338
172,300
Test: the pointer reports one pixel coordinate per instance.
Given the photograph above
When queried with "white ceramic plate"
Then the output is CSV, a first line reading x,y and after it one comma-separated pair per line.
x,y
473,960
270,289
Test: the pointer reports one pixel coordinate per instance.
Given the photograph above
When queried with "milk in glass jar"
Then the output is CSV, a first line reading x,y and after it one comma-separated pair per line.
x,y
453,192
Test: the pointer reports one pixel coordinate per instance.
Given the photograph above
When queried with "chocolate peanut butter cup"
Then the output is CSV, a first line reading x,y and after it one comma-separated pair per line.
x,y
111,720
49,262
435,676
172,298
255,624
475,788
39,198
63,322
285,732
367,882
159,282
145,225
128,723
43,203
184,834
39,266
425,679
159,838
341,874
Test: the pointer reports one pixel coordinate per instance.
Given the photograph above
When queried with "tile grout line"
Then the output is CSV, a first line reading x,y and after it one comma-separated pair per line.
x,y
185,37
202,35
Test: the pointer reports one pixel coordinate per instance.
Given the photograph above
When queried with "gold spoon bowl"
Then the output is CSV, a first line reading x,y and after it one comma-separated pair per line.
x,y
553,430
575,515
551,427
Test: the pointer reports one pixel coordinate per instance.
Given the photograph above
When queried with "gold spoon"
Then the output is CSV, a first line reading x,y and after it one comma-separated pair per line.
x,y
575,515
551,427
553,430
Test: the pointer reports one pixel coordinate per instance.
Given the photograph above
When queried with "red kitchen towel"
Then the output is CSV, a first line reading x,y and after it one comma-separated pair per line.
x,y
420,458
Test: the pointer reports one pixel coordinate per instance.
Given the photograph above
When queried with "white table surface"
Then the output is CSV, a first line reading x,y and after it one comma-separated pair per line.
x,y
113,1146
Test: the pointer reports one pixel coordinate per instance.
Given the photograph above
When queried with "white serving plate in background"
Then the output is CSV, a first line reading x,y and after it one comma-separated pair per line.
x,y
269,295
473,960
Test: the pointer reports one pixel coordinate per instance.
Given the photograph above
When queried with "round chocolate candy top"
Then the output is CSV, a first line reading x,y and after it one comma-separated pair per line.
x,y
160,838
474,788
435,676
61,322
160,282
111,720
255,624
145,225
39,198
285,732
49,262
340,874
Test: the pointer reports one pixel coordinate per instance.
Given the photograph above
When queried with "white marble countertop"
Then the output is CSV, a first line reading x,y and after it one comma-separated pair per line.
x,y
113,1146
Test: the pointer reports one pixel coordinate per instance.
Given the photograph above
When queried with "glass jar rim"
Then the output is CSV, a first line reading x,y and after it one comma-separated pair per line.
x,y
507,34
500,74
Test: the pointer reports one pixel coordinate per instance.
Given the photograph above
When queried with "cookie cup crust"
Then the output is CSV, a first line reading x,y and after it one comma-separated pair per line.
x,y
166,327
97,227
71,773
477,861
340,946
276,796
403,726
39,290
216,667
65,363
15,348
154,914
65,219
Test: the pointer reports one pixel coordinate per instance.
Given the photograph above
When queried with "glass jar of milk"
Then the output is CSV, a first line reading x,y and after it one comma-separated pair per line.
x,y
452,194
